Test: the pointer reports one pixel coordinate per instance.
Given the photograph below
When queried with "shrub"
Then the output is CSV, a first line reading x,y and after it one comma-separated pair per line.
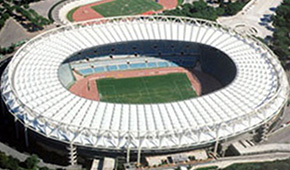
x,y
31,162
12,163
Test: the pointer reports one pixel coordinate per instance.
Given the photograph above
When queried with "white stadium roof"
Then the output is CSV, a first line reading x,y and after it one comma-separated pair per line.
x,y
32,91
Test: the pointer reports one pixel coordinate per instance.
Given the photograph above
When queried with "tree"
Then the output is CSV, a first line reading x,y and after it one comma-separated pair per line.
x,y
2,22
281,37
199,6
5,16
233,8
44,168
12,163
198,9
3,160
26,6
31,162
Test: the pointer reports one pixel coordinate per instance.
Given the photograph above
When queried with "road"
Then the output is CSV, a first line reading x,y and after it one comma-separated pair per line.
x,y
254,18
226,161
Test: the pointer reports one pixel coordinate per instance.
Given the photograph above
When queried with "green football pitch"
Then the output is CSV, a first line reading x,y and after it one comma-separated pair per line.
x,y
143,90
126,7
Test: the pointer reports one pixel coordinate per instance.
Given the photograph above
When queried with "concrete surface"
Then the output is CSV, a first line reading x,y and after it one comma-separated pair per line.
x,y
13,32
199,154
254,18
280,136
264,148
42,7
224,162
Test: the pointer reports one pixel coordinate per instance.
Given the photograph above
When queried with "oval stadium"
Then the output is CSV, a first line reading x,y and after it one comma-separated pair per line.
x,y
144,84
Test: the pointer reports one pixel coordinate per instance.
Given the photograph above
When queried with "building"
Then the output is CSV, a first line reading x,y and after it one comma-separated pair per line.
x,y
254,91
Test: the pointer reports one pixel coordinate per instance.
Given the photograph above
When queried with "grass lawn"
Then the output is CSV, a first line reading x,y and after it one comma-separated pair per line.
x,y
126,7
149,89
69,15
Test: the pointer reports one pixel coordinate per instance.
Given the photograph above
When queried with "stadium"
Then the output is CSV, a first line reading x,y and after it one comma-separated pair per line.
x,y
68,84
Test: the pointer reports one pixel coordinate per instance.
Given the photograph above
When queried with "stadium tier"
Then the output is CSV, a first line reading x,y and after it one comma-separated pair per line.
x,y
86,68
255,86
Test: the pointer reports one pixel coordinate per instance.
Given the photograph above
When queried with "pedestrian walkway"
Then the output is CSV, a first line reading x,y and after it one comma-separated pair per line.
x,y
227,161
254,18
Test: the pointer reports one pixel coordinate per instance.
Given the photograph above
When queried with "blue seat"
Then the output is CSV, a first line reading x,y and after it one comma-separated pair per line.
x,y
152,65
99,69
163,64
123,67
112,68
86,71
138,65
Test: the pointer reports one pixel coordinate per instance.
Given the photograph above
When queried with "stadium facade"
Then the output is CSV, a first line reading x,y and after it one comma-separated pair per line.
x,y
255,86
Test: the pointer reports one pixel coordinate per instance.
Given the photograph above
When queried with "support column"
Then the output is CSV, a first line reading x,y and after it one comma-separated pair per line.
x,y
224,148
265,132
224,153
72,154
128,154
139,156
217,142
26,137
283,113
216,147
